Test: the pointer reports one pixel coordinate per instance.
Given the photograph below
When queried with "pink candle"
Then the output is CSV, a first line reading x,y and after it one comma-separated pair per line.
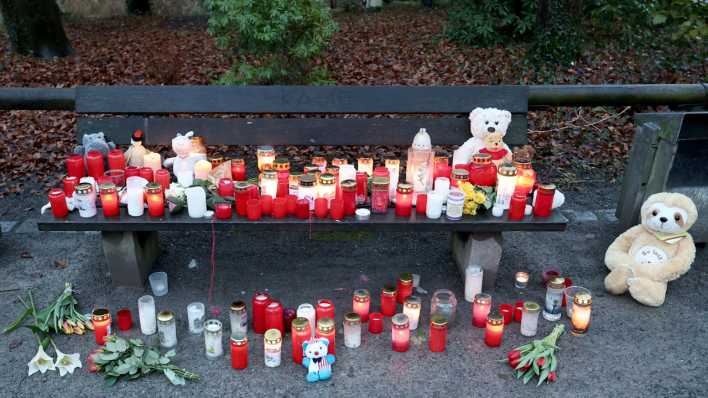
x,y
400,333
480,309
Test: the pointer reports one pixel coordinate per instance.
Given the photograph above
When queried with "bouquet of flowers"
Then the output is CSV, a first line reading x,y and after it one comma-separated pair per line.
x,y
476,197
536,358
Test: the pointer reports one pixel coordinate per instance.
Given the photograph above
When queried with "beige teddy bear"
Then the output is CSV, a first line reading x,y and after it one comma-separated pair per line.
x,y
647,256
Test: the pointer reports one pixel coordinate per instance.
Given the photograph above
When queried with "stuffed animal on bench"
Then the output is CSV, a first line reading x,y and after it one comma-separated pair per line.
x,y
186,156
316,359
649,255
95,142
483,121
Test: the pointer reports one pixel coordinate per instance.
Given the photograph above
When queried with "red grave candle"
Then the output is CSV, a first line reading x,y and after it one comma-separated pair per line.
x,y
57,199
361,301
301,333
518,310
321,207
274,317
223,210
280,208
116,159
242,197
258,304
442,167
101,319
400,333
104,179
482,170
239,351
109,200
324,309
125,319
70,183
226,188
507,312
349,196
162,177
544,200
253,192
155,200
438,333
517,207
362,187
404,199
75,166
404,287
266,205
388,300
132,171
381,171
326,329
94,163
375,323
480,309
303,209
421,203
525,177
494,330
291,204
253,209
238,170
116,176
147,173
283,186
336,210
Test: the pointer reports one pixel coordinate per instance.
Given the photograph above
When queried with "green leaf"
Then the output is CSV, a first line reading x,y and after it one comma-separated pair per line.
x,y
136,342
170,353
111,380
542,377
529,374
659,19
554,363
17,322
164,360
123,368
173,377
107,356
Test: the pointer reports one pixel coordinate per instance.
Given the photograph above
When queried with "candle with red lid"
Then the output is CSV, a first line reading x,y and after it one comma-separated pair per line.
x,y
404,287
525,177
238,170
400,333
543,207
94,164
75,166
274,317
280,208
57,199
132,171
361,303
480,309
442,167
301,332
388,300
325,308
349,196
362,187
116,159
438,333
404,199
258,307
253,209
147,173
101,319
482,170
109,200
494,330
70,183
155,200
375,323
223,210
326,329
239,351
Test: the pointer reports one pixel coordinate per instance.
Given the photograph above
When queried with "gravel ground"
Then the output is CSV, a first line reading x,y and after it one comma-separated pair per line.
x,y
631,350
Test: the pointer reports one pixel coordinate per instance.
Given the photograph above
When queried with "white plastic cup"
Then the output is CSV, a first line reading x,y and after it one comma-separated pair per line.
x,y
158,283
433,209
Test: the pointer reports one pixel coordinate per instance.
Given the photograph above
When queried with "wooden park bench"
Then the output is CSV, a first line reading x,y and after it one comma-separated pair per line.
x,y
130,244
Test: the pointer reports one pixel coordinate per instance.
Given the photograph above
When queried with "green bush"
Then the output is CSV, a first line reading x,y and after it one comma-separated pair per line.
x,y
273,41
686,19
489,23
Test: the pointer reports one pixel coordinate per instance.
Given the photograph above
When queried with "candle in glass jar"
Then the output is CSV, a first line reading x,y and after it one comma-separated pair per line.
x,y
274,317
473,281
483,172
109,200
525,177
265,155
361,303
421,204
195,317
75,166
352,330
307,190
147,173
506,183
280,208
529,318
239,351
400,333
480,309
404,287
494,331
507,312
442,167
521,280
325,329
307,311
303,209
375,323
238,170
517,206
146,314
433,209
582,307
212,339
253,209
258,307
272,347
438,333
223,210
85,200
238,318
339,162
518,310
226,188
455,205
326,188
116,159
325,309
269,183
404,199
69,183
101,319
202,169
152,160
162,177
459,175
362,188
554,298
289,315
301,332
379,194
349,196
365,165
132,171
543,206
444,303
94,164
388,300
394,170
412,310
57,200
155,200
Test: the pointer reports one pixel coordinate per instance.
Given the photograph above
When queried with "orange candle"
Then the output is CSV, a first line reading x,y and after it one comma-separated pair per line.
x,y
101,319
155,200
525,177
109,200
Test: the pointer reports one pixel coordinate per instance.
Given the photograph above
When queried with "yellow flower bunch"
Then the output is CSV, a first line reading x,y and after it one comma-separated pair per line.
x,y
475,197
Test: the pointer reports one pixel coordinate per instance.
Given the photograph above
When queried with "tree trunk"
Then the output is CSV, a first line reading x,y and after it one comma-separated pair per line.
x,y
35,28
558,35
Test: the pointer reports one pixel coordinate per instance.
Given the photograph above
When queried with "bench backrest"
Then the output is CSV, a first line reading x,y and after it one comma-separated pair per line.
x,y
295,115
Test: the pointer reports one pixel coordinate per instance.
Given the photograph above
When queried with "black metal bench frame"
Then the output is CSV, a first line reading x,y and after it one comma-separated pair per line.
x,y
338,115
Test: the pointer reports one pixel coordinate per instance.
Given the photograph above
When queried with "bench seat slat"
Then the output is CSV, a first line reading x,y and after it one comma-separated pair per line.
x,y
308,131
378,222
298,99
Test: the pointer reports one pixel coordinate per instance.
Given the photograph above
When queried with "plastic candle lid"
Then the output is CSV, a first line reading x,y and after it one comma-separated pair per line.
x,y
362,214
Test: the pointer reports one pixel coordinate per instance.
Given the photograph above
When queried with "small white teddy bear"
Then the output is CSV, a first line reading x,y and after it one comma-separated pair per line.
x,y
483,121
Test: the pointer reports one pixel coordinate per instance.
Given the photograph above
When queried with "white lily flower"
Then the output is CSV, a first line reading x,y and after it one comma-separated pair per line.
x,y
66,363
41,362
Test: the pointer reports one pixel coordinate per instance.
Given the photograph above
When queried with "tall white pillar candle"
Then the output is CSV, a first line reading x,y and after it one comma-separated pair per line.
x,y
473,282
136,201
307,311
442,185
433,208
195,317
196,201
146,313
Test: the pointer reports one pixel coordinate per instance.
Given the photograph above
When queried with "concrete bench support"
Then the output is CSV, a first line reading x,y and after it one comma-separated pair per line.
x,y
130,256
484,250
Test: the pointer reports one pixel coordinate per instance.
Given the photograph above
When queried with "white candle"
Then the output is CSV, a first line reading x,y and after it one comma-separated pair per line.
x,y
195,317
196,201
411,308
473,282
394,170
307,311
433,208
212,338
506,183
136,201
202,169
152,160
185,178
352,330
146,313
347,172
442,185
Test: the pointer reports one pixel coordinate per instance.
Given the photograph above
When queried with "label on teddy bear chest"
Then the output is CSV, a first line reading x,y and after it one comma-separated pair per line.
x,y
650,255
